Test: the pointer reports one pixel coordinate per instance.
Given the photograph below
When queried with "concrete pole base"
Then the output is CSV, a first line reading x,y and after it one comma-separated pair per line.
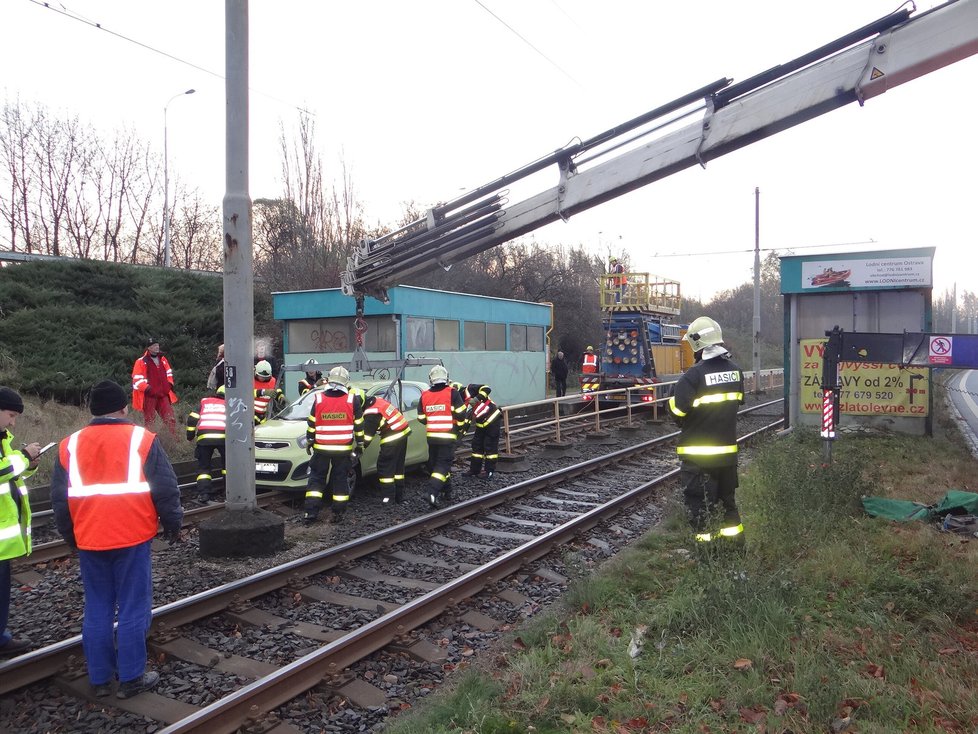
x,y
511,463
560,450
241,533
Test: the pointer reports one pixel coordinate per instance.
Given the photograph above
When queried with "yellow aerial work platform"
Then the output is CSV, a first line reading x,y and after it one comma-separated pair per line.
x,y
640,292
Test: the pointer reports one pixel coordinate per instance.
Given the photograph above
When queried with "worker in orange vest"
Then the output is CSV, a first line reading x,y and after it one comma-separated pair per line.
x,y
590,365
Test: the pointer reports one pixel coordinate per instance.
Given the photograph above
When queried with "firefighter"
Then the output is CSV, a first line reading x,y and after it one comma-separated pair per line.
x,y
308,382
266,391
486,417
382,419
334,432
442,412
208,428
705,404
590,364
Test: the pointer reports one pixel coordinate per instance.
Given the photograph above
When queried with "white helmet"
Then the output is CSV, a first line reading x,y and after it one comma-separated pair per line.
x,y
339,376
437,375
263,369
703,332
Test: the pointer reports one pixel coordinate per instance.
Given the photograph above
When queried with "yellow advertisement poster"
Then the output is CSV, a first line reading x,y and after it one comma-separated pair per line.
x,y
868,388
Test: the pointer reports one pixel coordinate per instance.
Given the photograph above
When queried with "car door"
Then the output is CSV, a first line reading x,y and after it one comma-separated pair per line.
x,y
410,397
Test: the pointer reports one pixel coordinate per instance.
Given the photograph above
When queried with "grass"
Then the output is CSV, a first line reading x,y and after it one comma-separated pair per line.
x,y
829,621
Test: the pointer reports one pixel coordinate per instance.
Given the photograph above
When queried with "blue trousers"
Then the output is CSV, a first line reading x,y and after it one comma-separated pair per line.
x,y
4,601
122,580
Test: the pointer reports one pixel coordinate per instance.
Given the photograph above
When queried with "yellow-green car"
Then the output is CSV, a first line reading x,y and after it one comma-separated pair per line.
x,y
281,461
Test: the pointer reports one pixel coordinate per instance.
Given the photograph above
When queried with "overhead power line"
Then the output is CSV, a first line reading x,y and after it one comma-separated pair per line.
x,y
63,10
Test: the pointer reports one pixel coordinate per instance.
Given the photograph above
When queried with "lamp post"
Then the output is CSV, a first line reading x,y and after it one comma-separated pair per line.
x,y
166,184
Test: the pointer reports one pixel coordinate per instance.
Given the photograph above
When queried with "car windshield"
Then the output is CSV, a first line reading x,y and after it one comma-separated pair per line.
x,y
299,410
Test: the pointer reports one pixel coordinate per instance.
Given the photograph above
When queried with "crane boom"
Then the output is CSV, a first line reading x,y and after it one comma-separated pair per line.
x,y
859,66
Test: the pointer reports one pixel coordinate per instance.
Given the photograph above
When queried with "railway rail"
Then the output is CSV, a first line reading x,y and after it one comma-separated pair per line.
x,y
388,584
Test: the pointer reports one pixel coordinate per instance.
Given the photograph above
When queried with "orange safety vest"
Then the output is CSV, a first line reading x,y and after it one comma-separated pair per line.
x,y
590,365
264,392
108,494
334,421
393,425
619,271
438,412
140,382
213,421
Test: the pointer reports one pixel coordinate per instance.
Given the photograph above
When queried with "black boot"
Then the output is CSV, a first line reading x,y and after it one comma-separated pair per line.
x,y
475,466
399,494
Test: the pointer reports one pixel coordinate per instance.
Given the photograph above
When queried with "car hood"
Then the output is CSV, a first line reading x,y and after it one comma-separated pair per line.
x,y
279,429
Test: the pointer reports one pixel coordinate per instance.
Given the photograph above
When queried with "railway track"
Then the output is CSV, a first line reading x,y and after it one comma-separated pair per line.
x,y
382,594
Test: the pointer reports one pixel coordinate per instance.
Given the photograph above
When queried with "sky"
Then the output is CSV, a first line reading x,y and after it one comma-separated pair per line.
x,y
422,100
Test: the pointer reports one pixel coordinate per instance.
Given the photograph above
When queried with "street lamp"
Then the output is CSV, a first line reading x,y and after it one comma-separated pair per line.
x,y
166,184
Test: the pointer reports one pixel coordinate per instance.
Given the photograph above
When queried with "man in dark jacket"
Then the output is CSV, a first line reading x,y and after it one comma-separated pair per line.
x,y
558,368
705,404
107,508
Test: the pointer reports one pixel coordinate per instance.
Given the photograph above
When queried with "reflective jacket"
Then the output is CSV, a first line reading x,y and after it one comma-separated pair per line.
x,y
442,412
141,378
209,426
383,419
704,403
15,507
485,414
590,365
265,392
107,490
335,423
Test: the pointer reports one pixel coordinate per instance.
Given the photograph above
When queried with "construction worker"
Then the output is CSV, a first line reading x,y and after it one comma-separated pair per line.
x,y
487,419
308,382
590,364
705,403
382,418
266,392
442,411
334,432
619,280
208,426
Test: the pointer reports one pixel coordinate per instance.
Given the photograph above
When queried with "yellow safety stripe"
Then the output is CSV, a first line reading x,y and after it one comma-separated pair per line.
x,y
442,477
731,531
674,409
314,494
703,537
203,476
718,397
385,480
341,498
707,450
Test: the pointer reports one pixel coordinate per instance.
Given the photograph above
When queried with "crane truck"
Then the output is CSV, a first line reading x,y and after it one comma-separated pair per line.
x,y
727,115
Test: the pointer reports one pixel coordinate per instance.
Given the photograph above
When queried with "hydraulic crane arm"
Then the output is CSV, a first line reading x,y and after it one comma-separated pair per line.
x,y
857,67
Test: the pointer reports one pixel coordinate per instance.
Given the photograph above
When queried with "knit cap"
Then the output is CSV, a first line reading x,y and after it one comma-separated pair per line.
x,y
10,400
107,397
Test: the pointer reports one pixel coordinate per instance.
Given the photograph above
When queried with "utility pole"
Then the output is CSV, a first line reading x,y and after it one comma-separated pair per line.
x,y
757,290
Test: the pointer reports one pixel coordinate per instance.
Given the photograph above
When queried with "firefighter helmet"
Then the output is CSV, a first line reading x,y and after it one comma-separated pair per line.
x,y
220,390
703,332
437,375
263,369
339,376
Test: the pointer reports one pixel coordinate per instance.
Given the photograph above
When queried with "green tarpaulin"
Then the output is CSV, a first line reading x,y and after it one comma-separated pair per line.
x,y
954,502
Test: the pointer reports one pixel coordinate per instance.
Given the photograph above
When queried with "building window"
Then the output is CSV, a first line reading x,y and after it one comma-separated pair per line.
x,y
446,335
496,337
331,336
420,334
475,336
517,338
534,338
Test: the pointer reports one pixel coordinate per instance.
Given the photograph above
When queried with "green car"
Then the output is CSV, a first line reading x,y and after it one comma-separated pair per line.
x,y
281,461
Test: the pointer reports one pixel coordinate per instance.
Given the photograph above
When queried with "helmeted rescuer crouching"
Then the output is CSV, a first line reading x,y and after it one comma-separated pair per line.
x,y
267,392
704,403
384,422
207,426
442,411
487,419
333,433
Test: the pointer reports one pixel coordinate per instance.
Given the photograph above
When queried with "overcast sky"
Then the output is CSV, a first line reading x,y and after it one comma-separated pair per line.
x,y
424,99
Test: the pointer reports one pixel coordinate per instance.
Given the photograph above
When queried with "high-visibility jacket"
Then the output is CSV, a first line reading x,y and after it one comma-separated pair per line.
x,y
140,379
305,384
265,392
590,365
335,423
442,411
705,401
15,507
619,273
485,414
385,420
209,425
108,494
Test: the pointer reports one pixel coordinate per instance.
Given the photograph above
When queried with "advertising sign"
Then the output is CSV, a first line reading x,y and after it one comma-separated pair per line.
x,y
883,271
868,388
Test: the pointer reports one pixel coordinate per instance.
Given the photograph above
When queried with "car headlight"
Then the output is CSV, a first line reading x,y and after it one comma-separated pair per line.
x,y
303,441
